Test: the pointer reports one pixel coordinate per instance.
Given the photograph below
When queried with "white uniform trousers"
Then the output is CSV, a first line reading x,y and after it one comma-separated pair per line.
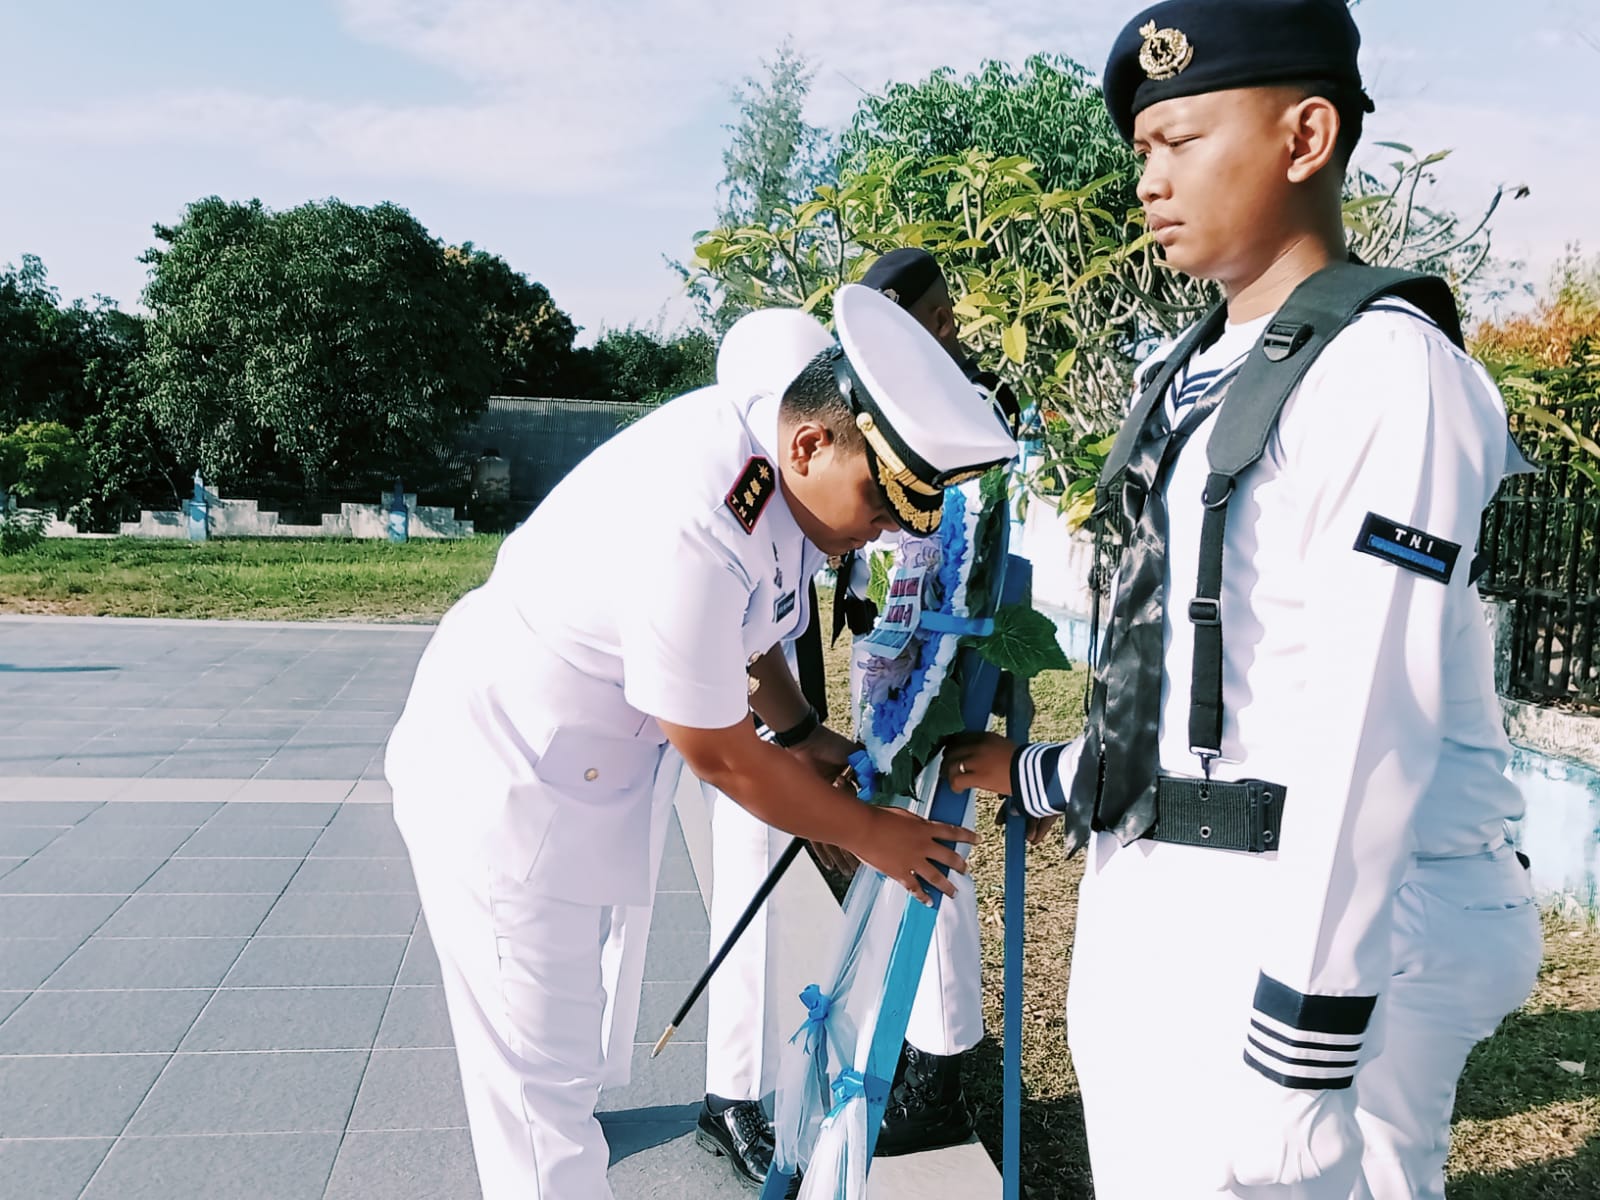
x,y
1164,968
543,998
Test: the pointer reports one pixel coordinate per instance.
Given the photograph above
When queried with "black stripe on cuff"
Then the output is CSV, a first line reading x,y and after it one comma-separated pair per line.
x,y
1341,1015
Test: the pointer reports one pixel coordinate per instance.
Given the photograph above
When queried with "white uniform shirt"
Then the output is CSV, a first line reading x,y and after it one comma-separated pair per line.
x,y
636,570
1364,688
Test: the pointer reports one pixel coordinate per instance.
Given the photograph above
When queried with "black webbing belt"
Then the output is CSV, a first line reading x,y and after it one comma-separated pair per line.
x,y
1247,815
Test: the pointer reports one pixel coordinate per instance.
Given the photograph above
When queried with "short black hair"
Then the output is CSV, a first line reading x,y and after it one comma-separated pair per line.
x,y
813,395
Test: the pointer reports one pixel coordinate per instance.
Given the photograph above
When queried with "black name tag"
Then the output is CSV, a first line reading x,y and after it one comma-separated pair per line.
x,y
783,606
1415,551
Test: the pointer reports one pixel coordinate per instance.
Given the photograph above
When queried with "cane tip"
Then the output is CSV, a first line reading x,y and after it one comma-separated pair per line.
x,y
666,1036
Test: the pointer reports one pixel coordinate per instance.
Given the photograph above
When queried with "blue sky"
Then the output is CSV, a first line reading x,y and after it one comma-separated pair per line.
x,y
581,139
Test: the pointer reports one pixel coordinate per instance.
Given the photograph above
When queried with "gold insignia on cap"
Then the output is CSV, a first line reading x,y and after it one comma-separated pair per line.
x,y
892,294
1165,53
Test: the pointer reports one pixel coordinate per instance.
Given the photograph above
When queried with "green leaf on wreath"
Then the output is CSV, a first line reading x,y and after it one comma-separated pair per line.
x,y
1023,642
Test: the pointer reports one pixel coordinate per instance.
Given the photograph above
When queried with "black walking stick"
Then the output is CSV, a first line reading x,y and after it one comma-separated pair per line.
x,y
739,926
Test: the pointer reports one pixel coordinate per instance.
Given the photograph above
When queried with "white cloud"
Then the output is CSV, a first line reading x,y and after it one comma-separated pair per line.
x,y
565,97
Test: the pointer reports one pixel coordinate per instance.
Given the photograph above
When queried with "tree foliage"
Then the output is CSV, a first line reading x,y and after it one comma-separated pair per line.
x,y
324,341
640,366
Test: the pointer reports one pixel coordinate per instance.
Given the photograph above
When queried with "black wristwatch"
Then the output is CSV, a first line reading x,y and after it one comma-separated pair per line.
x,y
797,733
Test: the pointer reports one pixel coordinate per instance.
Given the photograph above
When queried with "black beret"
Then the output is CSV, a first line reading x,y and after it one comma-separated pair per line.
x,y
1189,47
904,275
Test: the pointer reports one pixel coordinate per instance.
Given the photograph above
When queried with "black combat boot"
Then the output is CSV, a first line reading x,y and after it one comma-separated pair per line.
x,y
927,1108
739,1131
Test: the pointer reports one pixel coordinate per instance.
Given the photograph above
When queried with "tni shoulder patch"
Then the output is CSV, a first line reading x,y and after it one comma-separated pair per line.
x,y
751,491
1415,551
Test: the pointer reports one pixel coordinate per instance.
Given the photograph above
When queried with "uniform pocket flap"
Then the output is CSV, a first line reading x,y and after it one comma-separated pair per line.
x,y
581,760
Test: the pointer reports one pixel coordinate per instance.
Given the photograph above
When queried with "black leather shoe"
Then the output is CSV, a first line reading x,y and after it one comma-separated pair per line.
x,y
742,1134
927,1109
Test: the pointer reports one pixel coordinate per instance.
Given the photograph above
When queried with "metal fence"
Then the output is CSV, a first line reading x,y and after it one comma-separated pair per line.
x,y
1541,538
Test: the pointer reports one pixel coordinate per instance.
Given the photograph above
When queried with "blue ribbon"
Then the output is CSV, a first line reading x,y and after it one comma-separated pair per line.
x,y
866,775
851,1084
943,622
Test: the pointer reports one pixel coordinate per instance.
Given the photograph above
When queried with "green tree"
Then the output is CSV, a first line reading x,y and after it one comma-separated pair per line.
x,y
774,159
327,342
529,338
640,366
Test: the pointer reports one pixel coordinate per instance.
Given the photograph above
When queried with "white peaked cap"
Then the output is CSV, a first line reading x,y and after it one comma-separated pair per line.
x,y
925,424
763,351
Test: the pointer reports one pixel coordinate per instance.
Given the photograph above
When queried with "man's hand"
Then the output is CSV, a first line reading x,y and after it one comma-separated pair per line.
x,y
826,752
1288,1135
979,760
905,848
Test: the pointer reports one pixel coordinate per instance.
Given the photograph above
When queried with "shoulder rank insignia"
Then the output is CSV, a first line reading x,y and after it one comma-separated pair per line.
x,y
751,491
1165,53
1412,549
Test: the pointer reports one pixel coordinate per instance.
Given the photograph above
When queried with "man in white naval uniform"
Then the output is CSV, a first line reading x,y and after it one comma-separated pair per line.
x,y
536,755
1287,1018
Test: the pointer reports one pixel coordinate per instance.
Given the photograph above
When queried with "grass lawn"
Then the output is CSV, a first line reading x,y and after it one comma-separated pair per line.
x,y
1525,1129
246,578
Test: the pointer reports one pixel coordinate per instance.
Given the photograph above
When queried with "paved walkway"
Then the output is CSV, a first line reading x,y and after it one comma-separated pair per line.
x,y
214,980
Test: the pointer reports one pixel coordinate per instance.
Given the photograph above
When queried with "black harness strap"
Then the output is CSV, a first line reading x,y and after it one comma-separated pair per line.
x,y
1312,316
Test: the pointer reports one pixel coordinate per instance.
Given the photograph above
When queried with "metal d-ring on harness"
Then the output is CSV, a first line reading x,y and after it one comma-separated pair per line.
x,y
1247,814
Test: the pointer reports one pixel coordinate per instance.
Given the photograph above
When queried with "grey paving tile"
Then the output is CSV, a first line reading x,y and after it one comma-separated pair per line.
x,y
27,962
28,839
305,1092
410,1089
681,912
103,765
50,1168
671,955
354,875
415,1017
421,964
659,1000
9,1001
56,916
318,961
341,913
103,962
271,812
80,876
101,1022
657,1164
680,1072
154,915
8,863
240,1166
677,871
318,764
192,813
412,1165
45,812
139,841
338,1018
220,875
375,837
75,1095
187,765
250,841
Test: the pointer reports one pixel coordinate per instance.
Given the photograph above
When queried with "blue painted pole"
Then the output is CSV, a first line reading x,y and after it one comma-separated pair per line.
x,y
1018,578
399,517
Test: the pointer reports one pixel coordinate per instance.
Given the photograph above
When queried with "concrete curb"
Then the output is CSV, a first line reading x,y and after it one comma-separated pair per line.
x,y
342,626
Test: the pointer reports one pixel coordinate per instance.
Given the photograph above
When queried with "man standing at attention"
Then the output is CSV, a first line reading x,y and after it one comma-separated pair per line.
x,y
1300,909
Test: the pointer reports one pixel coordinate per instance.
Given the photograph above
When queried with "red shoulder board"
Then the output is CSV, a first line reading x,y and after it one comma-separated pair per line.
x,y
751,491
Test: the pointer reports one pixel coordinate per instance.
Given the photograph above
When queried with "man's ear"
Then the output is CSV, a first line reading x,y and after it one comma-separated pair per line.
x,y
808,440
1314,137
944,323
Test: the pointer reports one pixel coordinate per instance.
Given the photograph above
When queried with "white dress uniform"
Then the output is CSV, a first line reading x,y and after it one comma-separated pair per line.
x,y
532,787
530,775
1367,691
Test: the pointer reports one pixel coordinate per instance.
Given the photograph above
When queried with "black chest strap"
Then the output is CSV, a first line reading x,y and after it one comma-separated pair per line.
x,y
1312,316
